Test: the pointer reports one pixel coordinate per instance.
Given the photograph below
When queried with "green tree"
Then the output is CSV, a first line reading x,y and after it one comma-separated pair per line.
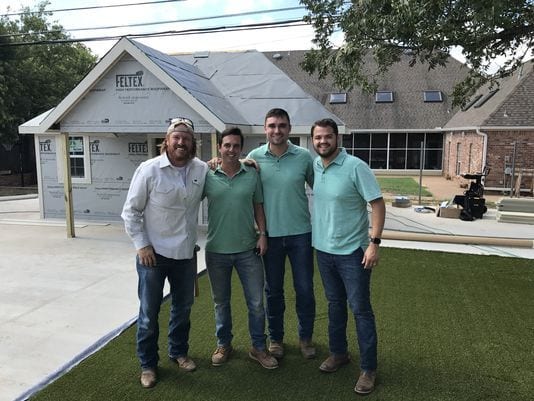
x,y
35,77
424,29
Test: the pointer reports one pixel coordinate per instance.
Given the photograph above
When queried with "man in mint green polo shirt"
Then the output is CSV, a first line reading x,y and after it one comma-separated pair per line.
x,y
343,187
235,202
284,170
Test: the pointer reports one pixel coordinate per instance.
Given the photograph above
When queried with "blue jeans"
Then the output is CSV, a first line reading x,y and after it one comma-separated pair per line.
x,y
181,275
250,271
299,250
345,279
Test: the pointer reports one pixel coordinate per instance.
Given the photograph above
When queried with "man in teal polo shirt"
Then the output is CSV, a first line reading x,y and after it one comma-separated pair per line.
x,y
344,185
234,202
284,170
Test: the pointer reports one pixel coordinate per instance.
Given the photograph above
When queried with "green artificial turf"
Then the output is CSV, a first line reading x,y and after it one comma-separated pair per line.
x,y
451,327
405,186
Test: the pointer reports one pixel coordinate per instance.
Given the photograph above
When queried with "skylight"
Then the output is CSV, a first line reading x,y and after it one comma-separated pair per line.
x,y
384,97
487,97
432,96
471,102
338,98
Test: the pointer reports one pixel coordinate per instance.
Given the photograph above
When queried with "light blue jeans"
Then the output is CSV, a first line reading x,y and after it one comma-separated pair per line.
x,y
249,268
181,275
345,280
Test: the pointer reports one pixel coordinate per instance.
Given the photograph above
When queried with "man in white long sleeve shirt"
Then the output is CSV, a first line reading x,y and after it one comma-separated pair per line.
x,y
160,216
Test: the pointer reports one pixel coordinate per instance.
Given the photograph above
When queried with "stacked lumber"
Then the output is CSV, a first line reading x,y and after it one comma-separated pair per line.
x,y
516,210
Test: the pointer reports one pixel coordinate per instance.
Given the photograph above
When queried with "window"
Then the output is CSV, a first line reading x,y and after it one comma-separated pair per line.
x,y
384,97
432,96
396,150
338,98
80,161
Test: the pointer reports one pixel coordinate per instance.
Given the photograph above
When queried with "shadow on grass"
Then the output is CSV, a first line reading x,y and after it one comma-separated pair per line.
x,y
451,327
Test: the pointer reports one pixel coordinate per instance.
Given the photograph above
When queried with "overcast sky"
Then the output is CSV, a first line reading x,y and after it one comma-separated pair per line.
x,y
295,38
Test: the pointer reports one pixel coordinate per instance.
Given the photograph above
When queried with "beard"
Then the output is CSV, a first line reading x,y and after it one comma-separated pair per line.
x,y
325,152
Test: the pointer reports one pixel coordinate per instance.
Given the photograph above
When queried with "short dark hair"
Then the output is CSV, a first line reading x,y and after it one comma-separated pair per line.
x,y
280,113
325,122
231,131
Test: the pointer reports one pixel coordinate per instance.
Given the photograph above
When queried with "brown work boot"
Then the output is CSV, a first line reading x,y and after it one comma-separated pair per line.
x,y
221,355
366,382
264,358
148,378
334,362
185,363
276,349
307,349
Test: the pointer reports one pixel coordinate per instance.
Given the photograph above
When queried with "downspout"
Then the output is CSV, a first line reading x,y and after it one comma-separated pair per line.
x,y
485,147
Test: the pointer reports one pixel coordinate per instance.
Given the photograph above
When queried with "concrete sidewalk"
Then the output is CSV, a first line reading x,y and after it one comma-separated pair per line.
x,y
60,297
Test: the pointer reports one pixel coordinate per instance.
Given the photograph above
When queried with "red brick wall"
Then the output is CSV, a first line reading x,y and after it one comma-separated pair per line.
x,y
500,150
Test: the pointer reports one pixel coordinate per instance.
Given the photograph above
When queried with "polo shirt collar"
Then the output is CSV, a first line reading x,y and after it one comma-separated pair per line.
x,y
340,158
290,149
242,169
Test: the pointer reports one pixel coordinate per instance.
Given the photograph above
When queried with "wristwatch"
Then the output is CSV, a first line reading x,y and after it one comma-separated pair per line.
x,y
375,240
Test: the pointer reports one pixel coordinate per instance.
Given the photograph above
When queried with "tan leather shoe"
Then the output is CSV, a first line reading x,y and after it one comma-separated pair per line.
x,y
334,362
185,363
148,378
307,349
264,358
221,355
366,382
276,349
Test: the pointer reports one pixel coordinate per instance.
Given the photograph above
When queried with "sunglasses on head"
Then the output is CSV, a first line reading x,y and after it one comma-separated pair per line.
x,y
182,120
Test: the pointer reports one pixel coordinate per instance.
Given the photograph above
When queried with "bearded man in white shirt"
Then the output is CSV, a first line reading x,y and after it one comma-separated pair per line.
x,y
160,216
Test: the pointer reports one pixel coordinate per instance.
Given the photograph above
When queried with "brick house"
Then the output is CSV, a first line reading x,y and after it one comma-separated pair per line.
x,y
495,129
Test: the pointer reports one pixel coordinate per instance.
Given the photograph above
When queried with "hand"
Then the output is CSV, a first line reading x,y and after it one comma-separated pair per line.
x,y
261,245
370,257
214,162
147,256
251,163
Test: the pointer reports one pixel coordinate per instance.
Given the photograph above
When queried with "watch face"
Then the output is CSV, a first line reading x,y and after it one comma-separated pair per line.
x,y
376,241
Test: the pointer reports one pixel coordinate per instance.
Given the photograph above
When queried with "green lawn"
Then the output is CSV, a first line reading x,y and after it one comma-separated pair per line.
x,y
406,186
452,327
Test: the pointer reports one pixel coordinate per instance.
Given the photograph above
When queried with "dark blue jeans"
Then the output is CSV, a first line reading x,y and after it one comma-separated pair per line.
x,y
181,275
345,280
299,250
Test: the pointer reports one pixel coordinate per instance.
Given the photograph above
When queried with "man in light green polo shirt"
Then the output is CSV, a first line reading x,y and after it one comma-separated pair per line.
x,y
284,170
235,202
344,185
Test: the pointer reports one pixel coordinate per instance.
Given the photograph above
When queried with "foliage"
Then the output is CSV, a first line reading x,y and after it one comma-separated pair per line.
x,y
424,29
36,77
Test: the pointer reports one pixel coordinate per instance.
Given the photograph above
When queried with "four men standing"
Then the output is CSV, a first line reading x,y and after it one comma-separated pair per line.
x,y
160,217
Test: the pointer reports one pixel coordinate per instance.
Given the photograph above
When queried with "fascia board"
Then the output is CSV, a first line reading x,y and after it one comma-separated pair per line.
x,y
74,97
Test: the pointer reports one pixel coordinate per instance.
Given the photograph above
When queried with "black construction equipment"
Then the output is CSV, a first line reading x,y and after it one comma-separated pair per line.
x,y
472,201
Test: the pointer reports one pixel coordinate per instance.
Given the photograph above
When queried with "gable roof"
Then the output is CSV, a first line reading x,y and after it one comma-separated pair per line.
x,y
408,111
512,106
225,89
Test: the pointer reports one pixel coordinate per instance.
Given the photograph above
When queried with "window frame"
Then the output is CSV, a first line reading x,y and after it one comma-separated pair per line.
x,y
86,179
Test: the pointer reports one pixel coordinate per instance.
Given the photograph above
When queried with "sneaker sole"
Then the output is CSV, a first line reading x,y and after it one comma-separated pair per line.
x,y
257,360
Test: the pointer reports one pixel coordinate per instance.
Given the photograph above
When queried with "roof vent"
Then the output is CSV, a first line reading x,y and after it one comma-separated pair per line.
x,y
277,56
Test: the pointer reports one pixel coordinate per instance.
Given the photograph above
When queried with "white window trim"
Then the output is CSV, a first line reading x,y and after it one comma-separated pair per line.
x,y
86,161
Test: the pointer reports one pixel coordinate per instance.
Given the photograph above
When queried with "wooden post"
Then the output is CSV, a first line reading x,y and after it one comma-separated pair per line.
x,y
67,183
